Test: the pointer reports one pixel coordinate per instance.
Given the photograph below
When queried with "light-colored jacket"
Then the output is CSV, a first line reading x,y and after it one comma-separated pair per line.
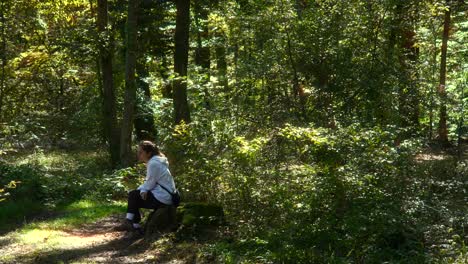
x,y
157,172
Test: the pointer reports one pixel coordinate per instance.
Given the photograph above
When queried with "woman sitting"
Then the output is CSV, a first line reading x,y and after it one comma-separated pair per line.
x,y
154,192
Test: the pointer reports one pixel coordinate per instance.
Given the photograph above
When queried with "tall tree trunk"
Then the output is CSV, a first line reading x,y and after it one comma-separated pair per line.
x,y
202,52
433,85
297,88
167,87
3,58
220,39
443,133
130,85
409,106
221,66
407,55
109,108
144,122
181,108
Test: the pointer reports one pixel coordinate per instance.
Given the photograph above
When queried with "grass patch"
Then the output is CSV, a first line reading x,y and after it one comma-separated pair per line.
x,y
78,213
71,228
60,178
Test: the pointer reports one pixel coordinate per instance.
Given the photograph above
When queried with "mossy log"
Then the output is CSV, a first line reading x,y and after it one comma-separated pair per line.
x,y
187,217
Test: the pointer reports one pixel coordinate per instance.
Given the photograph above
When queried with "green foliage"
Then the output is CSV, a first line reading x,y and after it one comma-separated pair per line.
x,y
25,191
50,179
24,181
115,186
306,125
10,185
349,194
78,213
200,214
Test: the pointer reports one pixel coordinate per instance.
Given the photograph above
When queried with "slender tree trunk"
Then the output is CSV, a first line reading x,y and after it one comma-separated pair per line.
x,y
109,101
144,122
202,52
443,133
220,52
297,88
433,85
167,87
130,85
181,108
409,106
460,124
407,55
221,66
4,58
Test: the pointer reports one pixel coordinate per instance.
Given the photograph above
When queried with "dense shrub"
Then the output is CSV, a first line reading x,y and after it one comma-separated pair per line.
x,y
311,194
26,181
23,192
115,185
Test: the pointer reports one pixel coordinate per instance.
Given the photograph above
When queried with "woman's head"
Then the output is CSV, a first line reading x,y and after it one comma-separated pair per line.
x,y
146,150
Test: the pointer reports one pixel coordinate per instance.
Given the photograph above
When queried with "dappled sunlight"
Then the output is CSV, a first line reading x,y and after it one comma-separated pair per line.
x,y
78,213
230,132
57,160
43,241
80,225
57,239
431,156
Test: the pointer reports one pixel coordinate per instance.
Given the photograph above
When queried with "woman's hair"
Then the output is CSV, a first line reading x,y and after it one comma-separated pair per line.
x,y
150,147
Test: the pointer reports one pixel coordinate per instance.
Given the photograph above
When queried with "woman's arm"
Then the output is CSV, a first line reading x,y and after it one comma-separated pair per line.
x,y
153,174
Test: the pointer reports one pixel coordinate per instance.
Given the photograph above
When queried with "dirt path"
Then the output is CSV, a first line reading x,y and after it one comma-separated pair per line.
x,y
93,243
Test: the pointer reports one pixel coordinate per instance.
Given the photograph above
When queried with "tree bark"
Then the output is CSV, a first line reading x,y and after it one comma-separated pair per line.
x,y
202,52
221,66
144,122
407,55
130,85
109,102
167,87
181,108
442,129
3,58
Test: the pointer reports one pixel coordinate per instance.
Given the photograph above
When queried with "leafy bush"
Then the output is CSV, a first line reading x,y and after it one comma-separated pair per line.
x,y
23,193
349,194
115,186
24,181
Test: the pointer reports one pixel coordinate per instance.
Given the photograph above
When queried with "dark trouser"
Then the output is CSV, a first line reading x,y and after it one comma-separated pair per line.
x,y
135,203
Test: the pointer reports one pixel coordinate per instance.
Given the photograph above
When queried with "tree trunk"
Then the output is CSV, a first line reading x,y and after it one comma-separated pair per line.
x,y
221,66
181,108
443,133
144,122
202,52
433,87
167,87
3,58
408,92
109,109
407,55
130,85
297,88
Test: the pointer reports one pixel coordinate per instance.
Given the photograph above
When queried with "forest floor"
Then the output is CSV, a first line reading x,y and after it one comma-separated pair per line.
x,y
80,231
91,243
83,232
